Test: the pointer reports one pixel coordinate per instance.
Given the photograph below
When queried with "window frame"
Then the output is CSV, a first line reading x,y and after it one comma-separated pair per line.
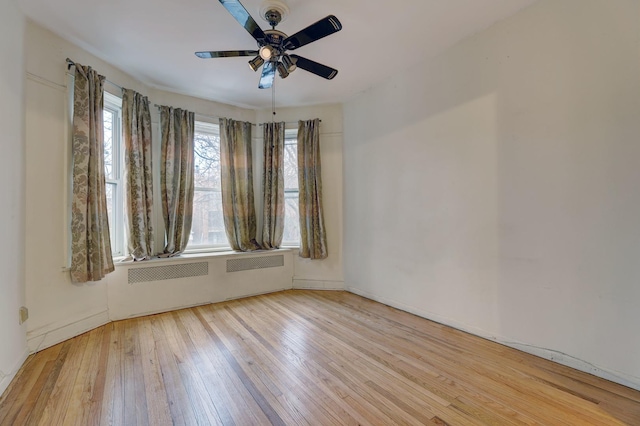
x,y
214,130
291,138
113,104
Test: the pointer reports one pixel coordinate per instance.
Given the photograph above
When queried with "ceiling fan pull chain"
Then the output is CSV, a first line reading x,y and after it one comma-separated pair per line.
x,y
273,101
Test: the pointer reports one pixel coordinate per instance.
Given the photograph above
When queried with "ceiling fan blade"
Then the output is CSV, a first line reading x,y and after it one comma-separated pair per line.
x,y
237,10
313,32
314,67
268,74
226,54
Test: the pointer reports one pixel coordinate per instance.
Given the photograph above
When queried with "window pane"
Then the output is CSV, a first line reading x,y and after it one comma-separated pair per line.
x,y
111,203
108,144
290,165
207,228
207,161
291,222
291,219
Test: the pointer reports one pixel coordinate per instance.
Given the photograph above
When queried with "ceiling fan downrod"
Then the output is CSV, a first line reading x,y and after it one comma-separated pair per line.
x,y
274,11
273,17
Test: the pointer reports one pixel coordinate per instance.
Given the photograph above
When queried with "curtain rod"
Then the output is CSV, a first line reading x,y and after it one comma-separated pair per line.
x,y
71,63
288,122
202,115
218,118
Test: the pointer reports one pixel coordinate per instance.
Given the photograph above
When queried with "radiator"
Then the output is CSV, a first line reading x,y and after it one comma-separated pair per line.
x,y
168,272
248,263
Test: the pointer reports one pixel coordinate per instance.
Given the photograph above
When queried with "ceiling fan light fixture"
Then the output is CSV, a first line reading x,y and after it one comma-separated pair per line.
x,y
266,52
256,63
289,63
282,70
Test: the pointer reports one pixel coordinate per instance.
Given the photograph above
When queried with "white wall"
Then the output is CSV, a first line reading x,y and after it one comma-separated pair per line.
x,y
495,187
13,349
327,273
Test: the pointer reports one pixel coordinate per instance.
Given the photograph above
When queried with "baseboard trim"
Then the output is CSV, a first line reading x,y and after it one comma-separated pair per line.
x,y
7,377
549,354
47,336
311,284
576,363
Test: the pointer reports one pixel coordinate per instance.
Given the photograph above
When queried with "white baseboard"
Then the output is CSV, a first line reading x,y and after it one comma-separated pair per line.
x,y
306,284
576,363
177,308
243,296
7,377
154,312
52,334
549,354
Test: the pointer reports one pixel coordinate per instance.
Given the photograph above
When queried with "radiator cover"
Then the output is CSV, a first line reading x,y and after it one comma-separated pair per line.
x,y
249,263
168,272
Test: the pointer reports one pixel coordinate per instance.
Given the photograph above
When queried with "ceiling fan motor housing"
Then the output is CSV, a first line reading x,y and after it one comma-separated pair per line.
x,y
275,39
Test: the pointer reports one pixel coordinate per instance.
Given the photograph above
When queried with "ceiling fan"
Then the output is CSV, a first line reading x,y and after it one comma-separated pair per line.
x,y
273,44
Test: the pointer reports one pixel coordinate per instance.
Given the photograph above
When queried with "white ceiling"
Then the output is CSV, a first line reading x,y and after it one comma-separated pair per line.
x,y
155,41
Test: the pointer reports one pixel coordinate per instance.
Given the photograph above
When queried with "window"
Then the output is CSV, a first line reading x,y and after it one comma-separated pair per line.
x,y
113,169
207,227
291,235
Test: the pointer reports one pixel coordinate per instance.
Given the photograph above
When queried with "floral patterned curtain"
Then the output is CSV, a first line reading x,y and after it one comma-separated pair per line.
x,y
313,240
90,244
237,184
273,173
136,119
176,177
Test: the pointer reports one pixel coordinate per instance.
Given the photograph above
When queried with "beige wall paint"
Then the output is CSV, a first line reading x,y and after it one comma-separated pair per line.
x,y
12,335
495,187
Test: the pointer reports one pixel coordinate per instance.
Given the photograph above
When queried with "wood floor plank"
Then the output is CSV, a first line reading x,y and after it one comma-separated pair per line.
x,y
260,383
59,399
301,357
113,396
488,370
189,400
316,360
234,404
308,378
93,408
22,398
224,341
375,366
83,386
286,351
364,379
180,408
32,407
155,393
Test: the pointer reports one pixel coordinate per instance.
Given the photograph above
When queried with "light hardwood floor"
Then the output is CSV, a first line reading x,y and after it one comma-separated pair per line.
x,y
301,357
